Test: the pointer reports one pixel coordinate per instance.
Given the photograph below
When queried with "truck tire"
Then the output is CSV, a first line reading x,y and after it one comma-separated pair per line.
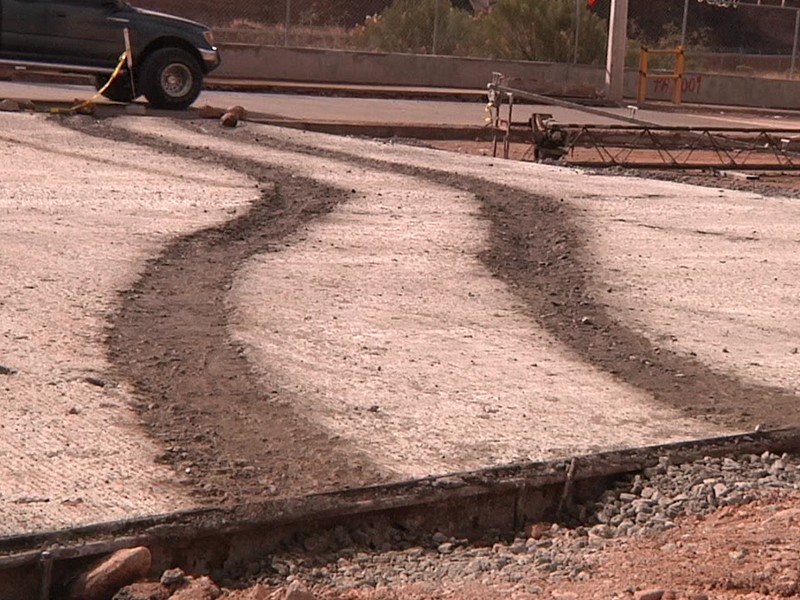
x,y
171,78
120,90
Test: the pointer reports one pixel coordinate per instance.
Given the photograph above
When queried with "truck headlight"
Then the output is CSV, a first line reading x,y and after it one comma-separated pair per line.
x,y
209,35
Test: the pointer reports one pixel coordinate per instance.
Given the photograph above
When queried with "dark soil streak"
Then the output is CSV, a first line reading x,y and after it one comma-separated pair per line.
x,y
227,434
238,437
537,247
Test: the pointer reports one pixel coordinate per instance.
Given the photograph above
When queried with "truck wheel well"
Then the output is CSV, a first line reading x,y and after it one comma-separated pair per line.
x,y
170,42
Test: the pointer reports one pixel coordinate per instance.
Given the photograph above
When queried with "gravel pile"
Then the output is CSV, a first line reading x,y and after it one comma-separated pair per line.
x,y
636,506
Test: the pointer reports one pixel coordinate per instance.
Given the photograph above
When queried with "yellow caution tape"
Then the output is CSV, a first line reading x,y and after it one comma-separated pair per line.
x,y
123,59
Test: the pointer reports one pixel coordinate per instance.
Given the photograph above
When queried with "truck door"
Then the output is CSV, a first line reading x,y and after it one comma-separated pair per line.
x,y
88,31
24,31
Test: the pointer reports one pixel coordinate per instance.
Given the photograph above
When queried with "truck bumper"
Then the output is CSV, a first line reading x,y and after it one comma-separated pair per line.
x,y
211,58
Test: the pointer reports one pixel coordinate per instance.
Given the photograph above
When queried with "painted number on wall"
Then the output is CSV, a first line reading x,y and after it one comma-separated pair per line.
x,y
690,85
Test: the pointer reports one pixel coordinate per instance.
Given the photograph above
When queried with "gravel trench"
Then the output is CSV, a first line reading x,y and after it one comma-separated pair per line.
x,y
545,556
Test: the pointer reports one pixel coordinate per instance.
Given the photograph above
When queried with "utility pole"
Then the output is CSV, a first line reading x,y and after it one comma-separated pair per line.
x,y
617,42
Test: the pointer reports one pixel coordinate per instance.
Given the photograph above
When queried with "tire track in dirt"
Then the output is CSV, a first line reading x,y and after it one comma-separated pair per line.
x,y
199,398
225,433
537,247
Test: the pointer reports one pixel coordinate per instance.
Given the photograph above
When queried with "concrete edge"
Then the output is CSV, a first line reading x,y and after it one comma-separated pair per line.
x,y
462,504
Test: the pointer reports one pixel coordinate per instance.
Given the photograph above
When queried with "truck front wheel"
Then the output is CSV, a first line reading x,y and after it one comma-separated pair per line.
x,y
171,78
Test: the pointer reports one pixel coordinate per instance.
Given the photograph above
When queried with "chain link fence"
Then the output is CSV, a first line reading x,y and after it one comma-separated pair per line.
x,y
547,30
752,37
297,23
727,36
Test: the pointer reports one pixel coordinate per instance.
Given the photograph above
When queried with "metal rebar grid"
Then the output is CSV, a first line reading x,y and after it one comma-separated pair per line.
x,y
638,143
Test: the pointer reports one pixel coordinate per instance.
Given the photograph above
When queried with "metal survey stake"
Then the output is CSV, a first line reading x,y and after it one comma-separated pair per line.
x,y
129,57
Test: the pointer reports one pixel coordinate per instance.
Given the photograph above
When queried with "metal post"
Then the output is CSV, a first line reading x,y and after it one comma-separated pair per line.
x,y
577,29
126,33
643,66
288,25
617,41
435,25
794,46
46,563
685,22
680,68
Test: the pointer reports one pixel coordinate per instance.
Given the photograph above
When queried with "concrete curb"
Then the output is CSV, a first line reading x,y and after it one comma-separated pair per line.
x,y
461,504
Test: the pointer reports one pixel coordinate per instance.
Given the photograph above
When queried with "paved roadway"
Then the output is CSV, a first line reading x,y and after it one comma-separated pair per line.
x,y
404,111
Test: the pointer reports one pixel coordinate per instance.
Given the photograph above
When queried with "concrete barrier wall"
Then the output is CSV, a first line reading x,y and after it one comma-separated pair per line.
x,y
346,67
241,61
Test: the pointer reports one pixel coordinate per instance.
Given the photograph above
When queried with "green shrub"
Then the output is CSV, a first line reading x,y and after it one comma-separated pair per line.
x,y
407,26
542,30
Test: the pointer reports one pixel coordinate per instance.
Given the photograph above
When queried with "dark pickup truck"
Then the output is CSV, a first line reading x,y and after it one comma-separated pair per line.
x,y
169,55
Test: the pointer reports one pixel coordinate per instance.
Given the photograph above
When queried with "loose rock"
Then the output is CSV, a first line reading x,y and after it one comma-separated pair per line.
x,y
650,595
143,591
173,579
298,591
107,577
198,589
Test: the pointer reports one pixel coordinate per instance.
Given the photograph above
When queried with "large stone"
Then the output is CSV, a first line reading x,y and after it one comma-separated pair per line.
x,y
650,595
110,575
229,120
233,115
239,111
198,589
210,112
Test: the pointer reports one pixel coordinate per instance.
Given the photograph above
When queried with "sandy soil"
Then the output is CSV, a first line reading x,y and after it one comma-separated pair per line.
x,y
725,252
282,315
77,220
382,321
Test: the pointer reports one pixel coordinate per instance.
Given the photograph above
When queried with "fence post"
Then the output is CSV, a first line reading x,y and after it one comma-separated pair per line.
x,y
685,23
680,68
641,95
435,26
794,46
577,29
288,24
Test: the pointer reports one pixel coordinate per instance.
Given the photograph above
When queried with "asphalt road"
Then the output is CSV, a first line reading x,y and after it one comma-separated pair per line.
x,y
405,111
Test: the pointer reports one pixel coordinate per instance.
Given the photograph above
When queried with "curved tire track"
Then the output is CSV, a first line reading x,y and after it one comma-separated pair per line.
x,y
199,398
225,432
537,247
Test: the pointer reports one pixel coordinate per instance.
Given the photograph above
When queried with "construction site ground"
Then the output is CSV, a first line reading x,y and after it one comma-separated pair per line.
x,y
197,316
